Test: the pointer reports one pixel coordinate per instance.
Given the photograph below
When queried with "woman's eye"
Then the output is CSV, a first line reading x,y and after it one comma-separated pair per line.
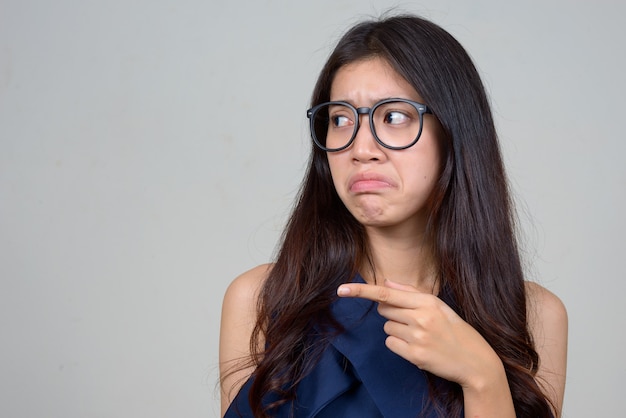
x,y
339,121
395,118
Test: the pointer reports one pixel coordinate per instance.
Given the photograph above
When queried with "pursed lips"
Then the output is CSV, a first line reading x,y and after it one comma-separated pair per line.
x,y
369,182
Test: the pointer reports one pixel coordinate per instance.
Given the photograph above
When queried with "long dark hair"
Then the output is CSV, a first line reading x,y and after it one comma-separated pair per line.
x,y
471,226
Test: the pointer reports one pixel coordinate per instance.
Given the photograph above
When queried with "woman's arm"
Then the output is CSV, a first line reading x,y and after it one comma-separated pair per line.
x,y
547,320
239,311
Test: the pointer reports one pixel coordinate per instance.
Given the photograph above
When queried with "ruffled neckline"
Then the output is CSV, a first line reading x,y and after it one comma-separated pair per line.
x,y
359,356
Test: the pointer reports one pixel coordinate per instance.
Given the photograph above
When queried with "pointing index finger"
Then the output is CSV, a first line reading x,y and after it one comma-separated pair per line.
x,y
380,294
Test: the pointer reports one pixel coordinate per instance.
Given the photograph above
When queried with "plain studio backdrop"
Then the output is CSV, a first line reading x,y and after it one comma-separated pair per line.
x,y
150,152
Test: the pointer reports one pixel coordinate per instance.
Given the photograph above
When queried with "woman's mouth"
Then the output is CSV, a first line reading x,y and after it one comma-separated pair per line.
x,y
369,182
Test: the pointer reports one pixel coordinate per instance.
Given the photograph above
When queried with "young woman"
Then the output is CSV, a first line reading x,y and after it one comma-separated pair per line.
x,y
398,289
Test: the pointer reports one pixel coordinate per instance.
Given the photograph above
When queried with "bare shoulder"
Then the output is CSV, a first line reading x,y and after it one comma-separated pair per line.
x,y
244,288
548,324
544,307
239,308
239,314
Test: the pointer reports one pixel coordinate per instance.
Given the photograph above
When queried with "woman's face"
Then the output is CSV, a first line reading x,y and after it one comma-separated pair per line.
x,y
382,187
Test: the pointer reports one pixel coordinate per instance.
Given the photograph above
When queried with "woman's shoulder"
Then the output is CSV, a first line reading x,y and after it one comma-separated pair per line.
x,y
548,325
543,304
239,315
246,286
546,312
239,307
239,310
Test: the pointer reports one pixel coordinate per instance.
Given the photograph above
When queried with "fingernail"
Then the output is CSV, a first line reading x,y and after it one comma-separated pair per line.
x,y
343,291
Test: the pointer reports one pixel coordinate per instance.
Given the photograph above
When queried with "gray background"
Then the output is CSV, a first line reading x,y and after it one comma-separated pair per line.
x,y
150,151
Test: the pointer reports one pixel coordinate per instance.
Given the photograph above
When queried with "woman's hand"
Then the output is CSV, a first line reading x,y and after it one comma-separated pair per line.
x,y
422,329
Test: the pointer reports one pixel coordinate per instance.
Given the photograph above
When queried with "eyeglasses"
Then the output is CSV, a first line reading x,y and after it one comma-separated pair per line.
x,y
395,123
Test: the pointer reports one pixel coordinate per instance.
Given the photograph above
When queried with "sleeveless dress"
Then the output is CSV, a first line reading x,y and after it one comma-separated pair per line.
x,y
357,375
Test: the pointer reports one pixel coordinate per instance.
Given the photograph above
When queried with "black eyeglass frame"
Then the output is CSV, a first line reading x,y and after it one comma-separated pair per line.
x,y
420,107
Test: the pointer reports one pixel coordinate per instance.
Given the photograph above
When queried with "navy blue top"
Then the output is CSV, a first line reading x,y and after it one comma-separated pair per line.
x,y
357,375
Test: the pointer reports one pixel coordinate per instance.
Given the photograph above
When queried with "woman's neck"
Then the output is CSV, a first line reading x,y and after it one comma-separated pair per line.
x,y
401,258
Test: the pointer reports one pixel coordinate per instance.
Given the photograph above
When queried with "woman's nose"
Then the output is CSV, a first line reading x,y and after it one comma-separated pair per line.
x,y
365,147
